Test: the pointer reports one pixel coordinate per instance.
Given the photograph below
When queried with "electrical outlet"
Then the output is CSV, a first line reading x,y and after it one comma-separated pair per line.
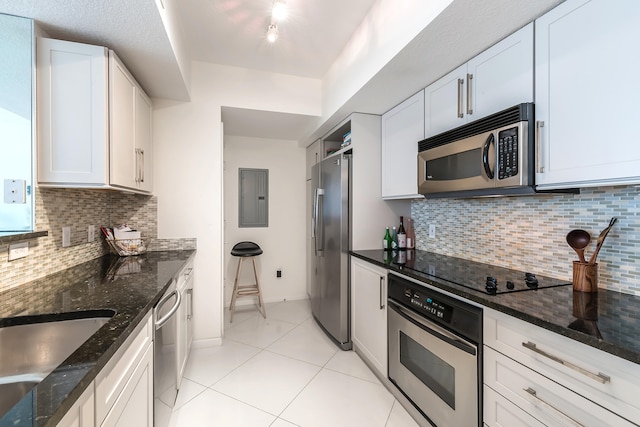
x,y
66,236
18,250
432,231
91,233
279,273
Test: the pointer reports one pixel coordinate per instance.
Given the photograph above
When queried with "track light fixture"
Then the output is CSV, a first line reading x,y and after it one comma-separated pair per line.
x,y
278,13
272,33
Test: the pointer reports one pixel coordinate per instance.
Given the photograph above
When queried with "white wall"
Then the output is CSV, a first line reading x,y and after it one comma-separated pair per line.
x,y
388,27
283,242
188,157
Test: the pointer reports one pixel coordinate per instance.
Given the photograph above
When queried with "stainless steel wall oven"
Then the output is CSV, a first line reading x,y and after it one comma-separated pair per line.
x,y
435,348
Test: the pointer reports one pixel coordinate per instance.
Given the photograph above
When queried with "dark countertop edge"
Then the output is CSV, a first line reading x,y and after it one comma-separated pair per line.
x,y
104,359
20,236
492,302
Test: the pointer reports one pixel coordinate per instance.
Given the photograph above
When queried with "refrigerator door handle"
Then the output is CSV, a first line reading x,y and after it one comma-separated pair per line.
x,y
317,227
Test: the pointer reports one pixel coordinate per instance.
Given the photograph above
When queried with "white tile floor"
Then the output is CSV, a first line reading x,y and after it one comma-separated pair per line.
x,y
281,372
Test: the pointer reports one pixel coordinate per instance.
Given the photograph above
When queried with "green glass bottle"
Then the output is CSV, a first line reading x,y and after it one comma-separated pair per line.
x,y
386,241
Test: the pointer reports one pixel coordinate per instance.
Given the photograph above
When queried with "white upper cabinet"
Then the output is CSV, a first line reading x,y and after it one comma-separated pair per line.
x,y
130,129
498,78
402,128
94,120
501,76
444,102
585,97
72,100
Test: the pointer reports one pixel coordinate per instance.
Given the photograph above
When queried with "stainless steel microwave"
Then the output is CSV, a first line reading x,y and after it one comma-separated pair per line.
x,y
488,157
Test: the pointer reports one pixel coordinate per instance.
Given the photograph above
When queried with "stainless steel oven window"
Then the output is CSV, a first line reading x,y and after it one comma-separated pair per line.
x,y
434,372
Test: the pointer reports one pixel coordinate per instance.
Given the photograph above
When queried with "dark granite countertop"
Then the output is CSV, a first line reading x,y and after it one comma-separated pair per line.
x,y
129,286
606,320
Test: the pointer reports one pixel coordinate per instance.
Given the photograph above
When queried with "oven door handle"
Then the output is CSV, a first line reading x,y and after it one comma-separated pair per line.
x,y
433,329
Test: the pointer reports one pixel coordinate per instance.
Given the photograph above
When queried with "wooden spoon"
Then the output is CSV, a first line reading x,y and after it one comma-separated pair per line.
x,y
603,234
578,240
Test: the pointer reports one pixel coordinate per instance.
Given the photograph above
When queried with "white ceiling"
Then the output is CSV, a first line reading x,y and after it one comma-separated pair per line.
x,y
233,32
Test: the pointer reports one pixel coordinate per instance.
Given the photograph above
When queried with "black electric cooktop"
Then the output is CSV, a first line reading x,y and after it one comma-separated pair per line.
x,y
478,276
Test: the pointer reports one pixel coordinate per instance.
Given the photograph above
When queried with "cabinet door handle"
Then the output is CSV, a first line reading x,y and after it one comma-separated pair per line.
x,y
547,405
190,303
469,81
600,377
141,165
381,292
539,165
460,110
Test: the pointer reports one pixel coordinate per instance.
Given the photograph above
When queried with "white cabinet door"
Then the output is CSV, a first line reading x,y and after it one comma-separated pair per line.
x,y
501,76
130,130
498,78
144,145
122,98
585,96
369,313
184,316
82,413
72,108
134,406
402,128
444,102
120,378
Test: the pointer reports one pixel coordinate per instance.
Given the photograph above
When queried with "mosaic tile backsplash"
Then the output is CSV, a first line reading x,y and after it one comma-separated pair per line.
x,y
79,208
528,233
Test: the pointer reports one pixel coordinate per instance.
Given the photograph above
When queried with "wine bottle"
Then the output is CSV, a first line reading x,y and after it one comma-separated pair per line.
x,y
411,234
394,239
386,241
402,236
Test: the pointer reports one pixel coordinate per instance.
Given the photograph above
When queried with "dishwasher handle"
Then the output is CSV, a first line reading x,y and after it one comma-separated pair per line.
x,y
159,323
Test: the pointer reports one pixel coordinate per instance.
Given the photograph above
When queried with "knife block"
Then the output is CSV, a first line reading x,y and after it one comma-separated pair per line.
x,y
585,277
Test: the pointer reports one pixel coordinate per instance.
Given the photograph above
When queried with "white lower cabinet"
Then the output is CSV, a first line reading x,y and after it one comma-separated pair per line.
x,y
124,388
369,313
82,413
554,379
546,400
185,318
500,412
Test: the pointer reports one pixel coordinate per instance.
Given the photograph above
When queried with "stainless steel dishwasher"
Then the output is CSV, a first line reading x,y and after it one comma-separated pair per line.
x,y
165,361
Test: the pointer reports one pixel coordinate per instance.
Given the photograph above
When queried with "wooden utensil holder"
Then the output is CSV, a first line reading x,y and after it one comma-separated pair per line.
x,y
585,277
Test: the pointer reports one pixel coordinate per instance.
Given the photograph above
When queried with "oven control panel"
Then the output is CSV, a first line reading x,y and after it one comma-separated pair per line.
x,y
428,305
451,313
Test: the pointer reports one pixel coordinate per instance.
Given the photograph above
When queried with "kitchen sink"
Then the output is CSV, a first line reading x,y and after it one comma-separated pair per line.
x,y
31,347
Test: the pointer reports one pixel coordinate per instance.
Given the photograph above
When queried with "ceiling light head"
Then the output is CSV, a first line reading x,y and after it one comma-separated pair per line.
x,y
279,11
272,33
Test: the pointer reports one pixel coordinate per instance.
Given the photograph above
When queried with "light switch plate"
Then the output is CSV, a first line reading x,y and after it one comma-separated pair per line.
x,y
18,250
15,191
91,233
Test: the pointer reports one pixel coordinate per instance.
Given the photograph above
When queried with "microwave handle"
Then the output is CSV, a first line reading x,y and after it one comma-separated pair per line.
x,y
485,155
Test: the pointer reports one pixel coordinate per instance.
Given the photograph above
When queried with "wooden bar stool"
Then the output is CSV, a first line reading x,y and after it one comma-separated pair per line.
x,y
246,250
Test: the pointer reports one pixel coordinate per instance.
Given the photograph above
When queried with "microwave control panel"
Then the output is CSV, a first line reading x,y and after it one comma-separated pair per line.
x,y
507,153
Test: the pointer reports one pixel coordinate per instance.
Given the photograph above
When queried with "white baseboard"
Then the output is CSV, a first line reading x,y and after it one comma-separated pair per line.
x,y
207,343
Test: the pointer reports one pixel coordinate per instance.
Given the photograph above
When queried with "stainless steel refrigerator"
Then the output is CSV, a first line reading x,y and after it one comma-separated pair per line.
x,y
331,239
